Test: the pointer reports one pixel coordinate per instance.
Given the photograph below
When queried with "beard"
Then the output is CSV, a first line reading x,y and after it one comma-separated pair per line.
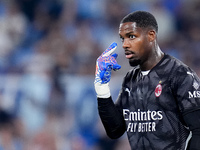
x,y
134,62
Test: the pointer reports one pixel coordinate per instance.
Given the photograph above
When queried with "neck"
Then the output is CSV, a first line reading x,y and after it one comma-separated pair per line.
x,y
153,59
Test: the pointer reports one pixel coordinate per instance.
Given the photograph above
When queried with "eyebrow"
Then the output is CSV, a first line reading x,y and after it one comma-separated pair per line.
x,y
128,33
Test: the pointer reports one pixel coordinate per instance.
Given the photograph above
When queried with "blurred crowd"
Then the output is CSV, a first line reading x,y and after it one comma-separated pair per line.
x,y
48,50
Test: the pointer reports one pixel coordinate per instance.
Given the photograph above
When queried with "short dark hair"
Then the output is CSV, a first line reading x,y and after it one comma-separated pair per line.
x,y
142,19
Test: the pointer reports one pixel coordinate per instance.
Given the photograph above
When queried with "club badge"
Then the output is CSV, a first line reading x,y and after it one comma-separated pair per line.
x,y
196,85
158,90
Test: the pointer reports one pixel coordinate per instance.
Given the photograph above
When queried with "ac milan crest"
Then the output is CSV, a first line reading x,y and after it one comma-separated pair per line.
x,y
158,90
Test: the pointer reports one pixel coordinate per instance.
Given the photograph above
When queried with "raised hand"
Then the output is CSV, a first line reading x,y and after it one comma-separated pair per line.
x,y
105,64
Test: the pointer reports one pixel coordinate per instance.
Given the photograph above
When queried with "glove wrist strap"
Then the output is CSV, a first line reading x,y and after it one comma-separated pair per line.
x,y
102,90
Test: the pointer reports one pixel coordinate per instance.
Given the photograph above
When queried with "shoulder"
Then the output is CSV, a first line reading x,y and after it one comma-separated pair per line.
x,y
132,72
181,69
170,64
181,74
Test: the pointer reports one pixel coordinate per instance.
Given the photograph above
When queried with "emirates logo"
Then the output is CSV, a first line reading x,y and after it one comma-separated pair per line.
x,y
158,90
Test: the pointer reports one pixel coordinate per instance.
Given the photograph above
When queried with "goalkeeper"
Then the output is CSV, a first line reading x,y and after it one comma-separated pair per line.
x,y
159,102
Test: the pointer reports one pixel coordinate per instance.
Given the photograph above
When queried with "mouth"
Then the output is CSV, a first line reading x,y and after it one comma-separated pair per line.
x,y
129,54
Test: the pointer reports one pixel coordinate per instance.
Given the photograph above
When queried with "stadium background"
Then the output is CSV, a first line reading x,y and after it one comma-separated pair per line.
x,y
48,50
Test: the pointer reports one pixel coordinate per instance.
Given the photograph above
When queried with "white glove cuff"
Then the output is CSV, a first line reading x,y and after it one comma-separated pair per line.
x,y
102,90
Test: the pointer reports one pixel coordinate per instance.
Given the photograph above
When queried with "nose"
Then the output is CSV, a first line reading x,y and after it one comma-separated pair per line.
x,y
126,44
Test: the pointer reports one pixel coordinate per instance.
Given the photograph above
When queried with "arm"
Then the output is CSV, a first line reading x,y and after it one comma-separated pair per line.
x,y
111,118
187,84
192,119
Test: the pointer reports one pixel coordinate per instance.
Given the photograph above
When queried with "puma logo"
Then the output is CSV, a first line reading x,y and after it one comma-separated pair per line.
x,y
190,74
129,92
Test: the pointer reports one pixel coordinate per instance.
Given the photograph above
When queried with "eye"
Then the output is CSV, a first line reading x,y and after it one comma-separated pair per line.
x,y
131,36
122,39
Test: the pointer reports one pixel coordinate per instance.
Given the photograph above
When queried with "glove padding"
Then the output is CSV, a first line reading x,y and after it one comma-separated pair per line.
x,y
104,65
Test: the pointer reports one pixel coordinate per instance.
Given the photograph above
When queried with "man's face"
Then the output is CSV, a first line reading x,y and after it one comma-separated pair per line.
x,y
135,43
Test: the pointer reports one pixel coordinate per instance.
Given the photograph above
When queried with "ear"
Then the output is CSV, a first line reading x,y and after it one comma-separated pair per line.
x,y
151,35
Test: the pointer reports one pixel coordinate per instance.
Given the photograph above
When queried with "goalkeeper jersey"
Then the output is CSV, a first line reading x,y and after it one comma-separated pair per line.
x,y
153,105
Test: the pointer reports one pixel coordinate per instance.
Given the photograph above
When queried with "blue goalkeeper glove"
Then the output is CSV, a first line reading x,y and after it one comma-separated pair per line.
x,y
104,65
